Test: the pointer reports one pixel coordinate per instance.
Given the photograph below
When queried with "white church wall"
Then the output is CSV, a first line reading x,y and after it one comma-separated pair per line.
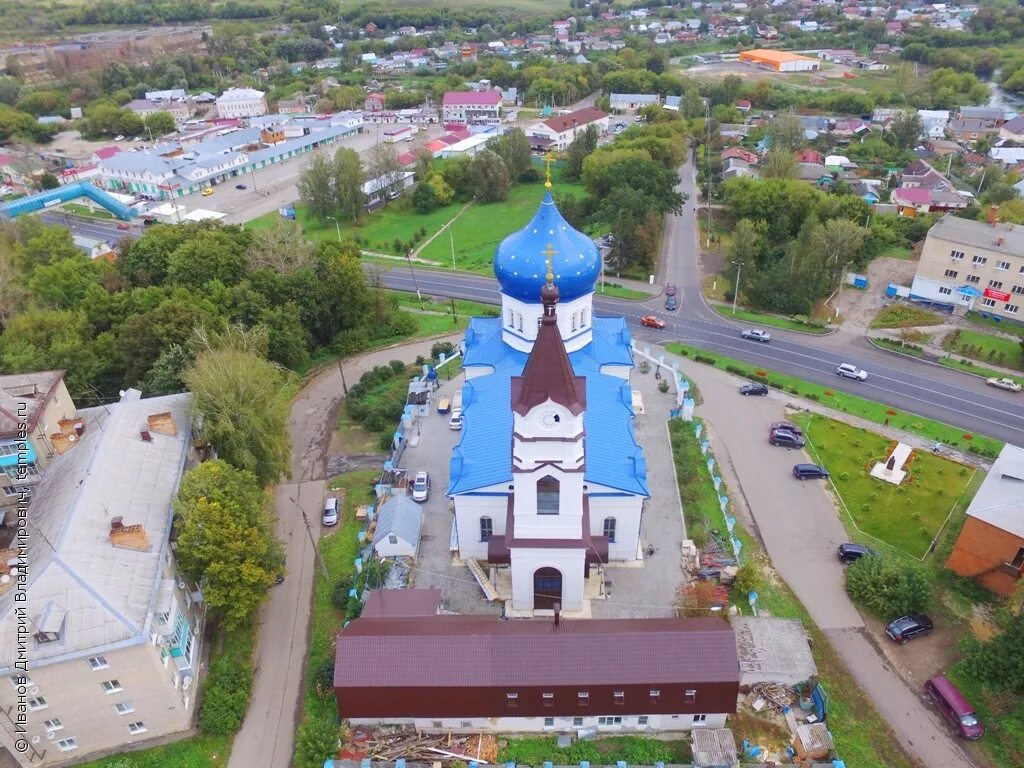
x,y
626,510
469,510
568,523
519,320
603,723
525,562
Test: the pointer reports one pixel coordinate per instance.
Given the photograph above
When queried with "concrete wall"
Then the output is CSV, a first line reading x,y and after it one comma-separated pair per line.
x,y
629,724
981,550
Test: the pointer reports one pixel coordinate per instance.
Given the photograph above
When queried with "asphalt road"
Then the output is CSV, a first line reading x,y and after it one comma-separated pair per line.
x,y
95,228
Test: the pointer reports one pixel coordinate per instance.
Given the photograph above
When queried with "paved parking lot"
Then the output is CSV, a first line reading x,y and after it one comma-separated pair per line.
x,y
645,588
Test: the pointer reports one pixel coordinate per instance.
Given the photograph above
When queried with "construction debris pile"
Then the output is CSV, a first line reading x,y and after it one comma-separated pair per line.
x,y
390,744
773,695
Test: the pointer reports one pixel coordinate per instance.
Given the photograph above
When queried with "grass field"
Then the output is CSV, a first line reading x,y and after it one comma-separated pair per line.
x,y
197,752
462,306
764,318
907,516
986,347
636,750
978,370
899,346
84,210
1000,325
856,406
898,315
516,7
477,232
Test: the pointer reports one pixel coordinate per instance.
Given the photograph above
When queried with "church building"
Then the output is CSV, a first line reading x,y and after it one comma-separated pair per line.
x,y
548,480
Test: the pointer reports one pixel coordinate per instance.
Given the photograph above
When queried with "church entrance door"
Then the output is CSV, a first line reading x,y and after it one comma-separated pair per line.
x,y
547,588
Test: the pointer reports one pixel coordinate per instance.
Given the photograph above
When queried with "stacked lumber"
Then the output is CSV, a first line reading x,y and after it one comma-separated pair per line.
x,y
388,746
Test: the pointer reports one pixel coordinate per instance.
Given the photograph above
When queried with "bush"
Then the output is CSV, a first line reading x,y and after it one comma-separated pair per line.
x,y
316,741
397,367
226,697
339,594
323,676
355,607
644,366
663,386
445,348
704,359
887,588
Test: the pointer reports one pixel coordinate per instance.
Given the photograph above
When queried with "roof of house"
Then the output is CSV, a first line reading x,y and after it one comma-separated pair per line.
x,y
1000,499
106,152
1003,237
777,57
982,113
240,94
912,195
578,119
399,516
23,396
471,98
391,603
637,98
811,171
106,592
1015,126
485,651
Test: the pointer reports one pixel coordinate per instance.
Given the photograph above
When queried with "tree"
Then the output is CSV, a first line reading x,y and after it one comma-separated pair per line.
x,y
999,662
490,177
244,403
225,539
214,254
348,182
1012,211
48,181
746,250
282,248
165,375
287,338
786,132
144,336
316,741
316,187
779,163
579,150
838,243
383,166
886,587
424,198
514,150
905,129
160,123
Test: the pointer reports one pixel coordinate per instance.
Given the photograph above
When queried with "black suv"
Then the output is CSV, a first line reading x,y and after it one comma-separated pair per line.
x,y
754,389
809,472
781,437
908,627
851,553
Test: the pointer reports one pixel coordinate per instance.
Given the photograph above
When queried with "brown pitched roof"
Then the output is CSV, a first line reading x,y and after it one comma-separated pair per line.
x,y
32,389
581,118
548,373
485,651
384,603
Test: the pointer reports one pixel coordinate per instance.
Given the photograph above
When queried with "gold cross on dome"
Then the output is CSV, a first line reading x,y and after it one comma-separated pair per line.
x,y
548,253
548,160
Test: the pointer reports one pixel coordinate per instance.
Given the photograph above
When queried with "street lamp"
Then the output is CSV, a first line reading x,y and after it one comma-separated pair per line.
x,y
412,269
337,227
736,288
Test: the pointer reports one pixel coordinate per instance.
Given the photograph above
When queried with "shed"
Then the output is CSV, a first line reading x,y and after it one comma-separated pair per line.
x,y
772,650
399,522
812,741
714,748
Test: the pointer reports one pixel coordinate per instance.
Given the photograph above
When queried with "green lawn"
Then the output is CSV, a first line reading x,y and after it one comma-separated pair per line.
x,y
907,516
83,210
463,307
990,322
856,406
478,232
978,370
198,752
898,315
635,750
986,347
619,292
764,318
899,346
897,252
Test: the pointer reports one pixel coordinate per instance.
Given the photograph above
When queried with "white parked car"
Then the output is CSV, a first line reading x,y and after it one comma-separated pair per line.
x,y
421,487
1008,384
330,516
851,371
455,422
756,334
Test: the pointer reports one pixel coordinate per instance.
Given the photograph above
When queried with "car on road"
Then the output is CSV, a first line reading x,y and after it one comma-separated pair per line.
x,y
851,371
123,225
754,388
788,426
421,487
240,186
207,191
330,515
671,302
851,553
119,137
954,707
908,627
650,321
1008,384
809,471
782,439
455,422
756,334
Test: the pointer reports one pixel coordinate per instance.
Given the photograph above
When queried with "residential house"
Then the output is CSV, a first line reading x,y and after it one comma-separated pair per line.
x,y
815,173
971,129
510,97
476,107
439,674
560,131
241,102
868,192
994,115
990,547
743,105
35,412
296,106
1013,130
739,153
852,128
114,632
374,102
399,522
934,122
620,102
735,167
673,103
144,107
810,156
914,200
1007,156
920,173
973,265
94,248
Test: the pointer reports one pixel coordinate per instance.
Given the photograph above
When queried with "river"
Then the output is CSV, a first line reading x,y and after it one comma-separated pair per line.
x,y
1001,98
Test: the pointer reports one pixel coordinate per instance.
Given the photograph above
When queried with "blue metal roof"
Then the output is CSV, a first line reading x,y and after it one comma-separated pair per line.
x,y
483,456
520,264
68,192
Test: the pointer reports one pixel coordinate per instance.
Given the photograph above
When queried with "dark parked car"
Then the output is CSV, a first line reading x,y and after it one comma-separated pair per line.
x,y
788,426
754,389
240,186
908,627
809,471
785,439
851,553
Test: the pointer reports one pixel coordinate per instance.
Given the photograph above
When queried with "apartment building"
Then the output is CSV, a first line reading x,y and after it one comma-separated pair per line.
x,y
36,420
973,265
100,637
471,107
242,102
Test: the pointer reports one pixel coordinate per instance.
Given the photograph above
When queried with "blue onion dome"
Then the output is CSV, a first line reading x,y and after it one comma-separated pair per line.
x,y
520,263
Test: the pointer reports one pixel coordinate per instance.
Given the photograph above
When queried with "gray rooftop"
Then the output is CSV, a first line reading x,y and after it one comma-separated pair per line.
x,y
400,516
1006,238
103,595
32,389
772,650
714,748
1000,499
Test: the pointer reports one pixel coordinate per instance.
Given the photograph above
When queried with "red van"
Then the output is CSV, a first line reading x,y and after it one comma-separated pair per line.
x,y
954,707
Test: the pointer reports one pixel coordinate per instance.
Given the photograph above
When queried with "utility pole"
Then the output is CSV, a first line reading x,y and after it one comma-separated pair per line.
x,y
412,269
707,157
337,227
451,239
344,386
309,530
736,288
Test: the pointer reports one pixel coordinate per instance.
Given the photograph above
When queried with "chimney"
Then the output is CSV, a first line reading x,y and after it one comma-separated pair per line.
x,y
145,435
999,242
558,613
993,215
116,523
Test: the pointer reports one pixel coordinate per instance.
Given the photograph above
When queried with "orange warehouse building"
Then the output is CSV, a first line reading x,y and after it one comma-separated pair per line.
x,y
779,61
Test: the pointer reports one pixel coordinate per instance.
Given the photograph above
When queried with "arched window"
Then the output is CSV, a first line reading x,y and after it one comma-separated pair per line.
x,y
575,316
583,318
519,316
511,318
547,496
609,529
486,529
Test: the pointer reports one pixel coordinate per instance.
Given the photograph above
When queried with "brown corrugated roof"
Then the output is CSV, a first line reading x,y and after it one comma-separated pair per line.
x,y
548,374
580,118
382,603
484,651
